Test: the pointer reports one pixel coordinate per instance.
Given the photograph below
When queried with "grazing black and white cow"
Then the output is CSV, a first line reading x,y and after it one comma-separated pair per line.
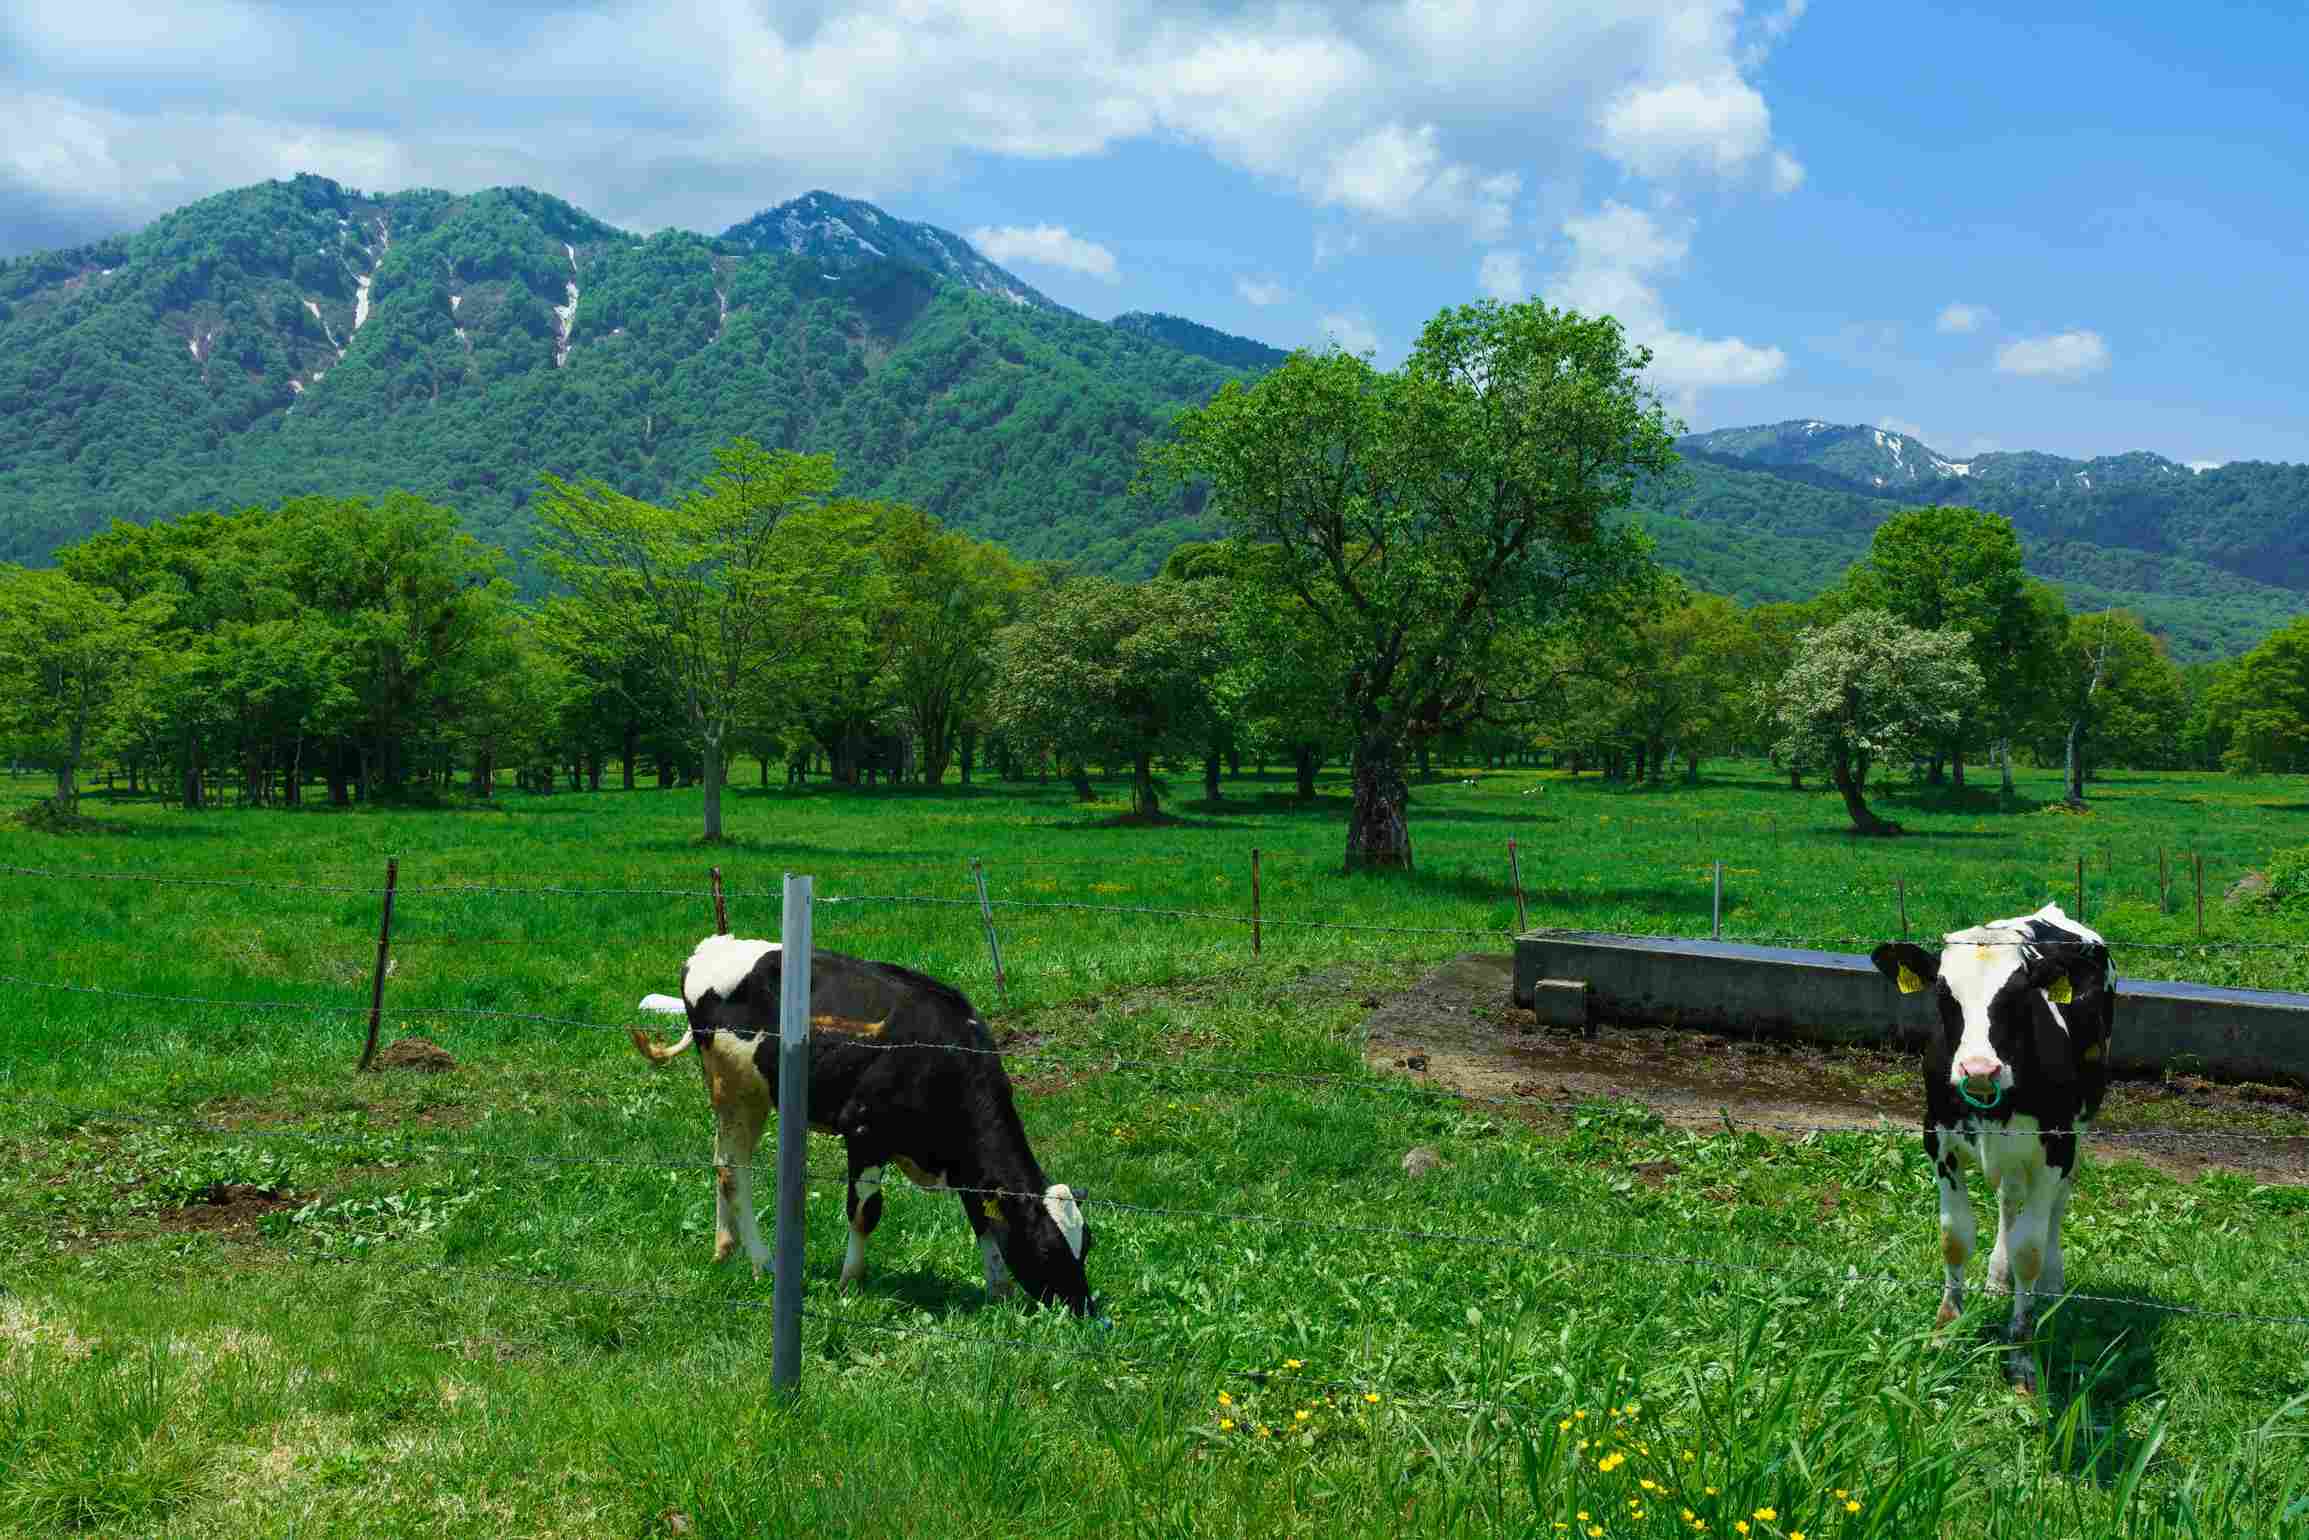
x,y
883,1078
2011,1080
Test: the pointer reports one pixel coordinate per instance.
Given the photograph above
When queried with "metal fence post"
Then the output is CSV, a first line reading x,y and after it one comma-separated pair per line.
x,y
1716,915
986,916
384,961
1515,876
1254,900
793,1134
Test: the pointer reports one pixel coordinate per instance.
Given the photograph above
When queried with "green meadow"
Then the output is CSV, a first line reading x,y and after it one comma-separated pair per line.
x,y
245,1290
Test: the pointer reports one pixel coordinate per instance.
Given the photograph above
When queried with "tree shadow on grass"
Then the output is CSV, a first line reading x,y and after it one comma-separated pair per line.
x,y
2096,1358
939,1293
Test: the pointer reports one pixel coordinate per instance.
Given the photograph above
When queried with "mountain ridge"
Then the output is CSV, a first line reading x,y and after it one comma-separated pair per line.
x,y
300,336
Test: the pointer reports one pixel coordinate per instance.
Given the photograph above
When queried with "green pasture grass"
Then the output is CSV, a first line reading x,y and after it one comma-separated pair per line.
x,y
482,1300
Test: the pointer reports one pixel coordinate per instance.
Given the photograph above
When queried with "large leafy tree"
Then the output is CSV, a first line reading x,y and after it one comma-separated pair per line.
x,y
1867,689
2117,696
718,594
66,651
1106,670
2261,705
1956,568
944,596
1417,513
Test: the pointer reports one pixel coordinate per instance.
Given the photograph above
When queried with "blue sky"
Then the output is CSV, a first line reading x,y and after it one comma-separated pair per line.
x,y
2077,229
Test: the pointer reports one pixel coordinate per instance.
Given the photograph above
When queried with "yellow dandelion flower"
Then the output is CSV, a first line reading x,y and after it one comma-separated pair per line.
x,y
1225,1399
1687,1457
1841,1494
1265,1431
1634,1408
1795,1534
1299,1416
1582,1416
1851,1507
1293,1363
1615,1411
1767,1514
1689,1515
1648,1484
1563,1426
1741,1525
1595,1532
1583,1515
1371,1396
1711,1491
1226,1424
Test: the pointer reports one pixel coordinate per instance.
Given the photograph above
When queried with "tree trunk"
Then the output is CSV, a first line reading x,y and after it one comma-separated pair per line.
x,y
969,754
593,770
665,772
1795,777
1692,771
1426,771
2076,763
627,749
2004,762
713,783
1234,762
1080,774
1956,767
1211,763
484,774
1937,775
1143,802
1850,780
1306,767
1377,833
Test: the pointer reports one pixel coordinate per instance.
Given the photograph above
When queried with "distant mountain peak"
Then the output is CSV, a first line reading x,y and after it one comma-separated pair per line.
x,y
843,234
1884,462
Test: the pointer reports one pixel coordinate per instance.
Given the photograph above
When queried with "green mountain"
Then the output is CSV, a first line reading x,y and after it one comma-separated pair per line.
x,y
301,336
2213,559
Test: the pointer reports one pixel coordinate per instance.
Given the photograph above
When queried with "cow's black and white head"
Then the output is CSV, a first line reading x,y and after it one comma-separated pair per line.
x,y
2001,989
1048,1241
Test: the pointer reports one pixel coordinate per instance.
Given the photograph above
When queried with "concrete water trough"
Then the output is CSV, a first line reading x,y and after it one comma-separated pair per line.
x,y
1571,976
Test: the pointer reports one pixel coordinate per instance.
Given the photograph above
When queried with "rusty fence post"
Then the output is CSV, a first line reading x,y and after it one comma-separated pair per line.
x,y
384,953
721,910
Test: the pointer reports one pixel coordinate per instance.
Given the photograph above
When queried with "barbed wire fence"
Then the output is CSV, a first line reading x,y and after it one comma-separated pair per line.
x,y
791,1175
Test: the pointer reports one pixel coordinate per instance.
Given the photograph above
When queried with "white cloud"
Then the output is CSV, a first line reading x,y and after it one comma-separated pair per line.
x,y
1787,172
1960,317
1045,246
1261,291
1500,275
701,112
1351,331
1718,124
1618,254
1779,23
1398,173
1332,245
2064,356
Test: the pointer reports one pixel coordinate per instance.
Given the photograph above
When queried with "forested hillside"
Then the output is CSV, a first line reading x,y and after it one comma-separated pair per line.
x,y
298,337
301,337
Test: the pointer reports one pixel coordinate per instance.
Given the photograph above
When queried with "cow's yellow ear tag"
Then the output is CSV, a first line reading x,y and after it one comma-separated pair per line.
x,y
2093,1052
1909,982
2058,991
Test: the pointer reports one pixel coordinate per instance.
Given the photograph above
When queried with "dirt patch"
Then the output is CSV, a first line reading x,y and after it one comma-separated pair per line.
x,y
416,1053
225,1208
1459,1030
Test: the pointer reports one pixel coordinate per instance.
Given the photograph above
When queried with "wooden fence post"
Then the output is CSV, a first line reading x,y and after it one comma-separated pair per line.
x,y
384,960
1515,875
793,1135
1254,900
986,916
721,910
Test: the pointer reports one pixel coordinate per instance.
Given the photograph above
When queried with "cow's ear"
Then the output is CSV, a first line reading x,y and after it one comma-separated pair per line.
x,y
2050,973
1906,964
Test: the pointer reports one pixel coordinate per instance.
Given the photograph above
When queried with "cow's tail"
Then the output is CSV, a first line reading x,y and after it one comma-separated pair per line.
x,y
657,1055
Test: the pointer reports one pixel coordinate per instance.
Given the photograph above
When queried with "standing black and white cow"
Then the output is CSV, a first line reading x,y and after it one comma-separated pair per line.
x,y
2011,1080
885,1077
